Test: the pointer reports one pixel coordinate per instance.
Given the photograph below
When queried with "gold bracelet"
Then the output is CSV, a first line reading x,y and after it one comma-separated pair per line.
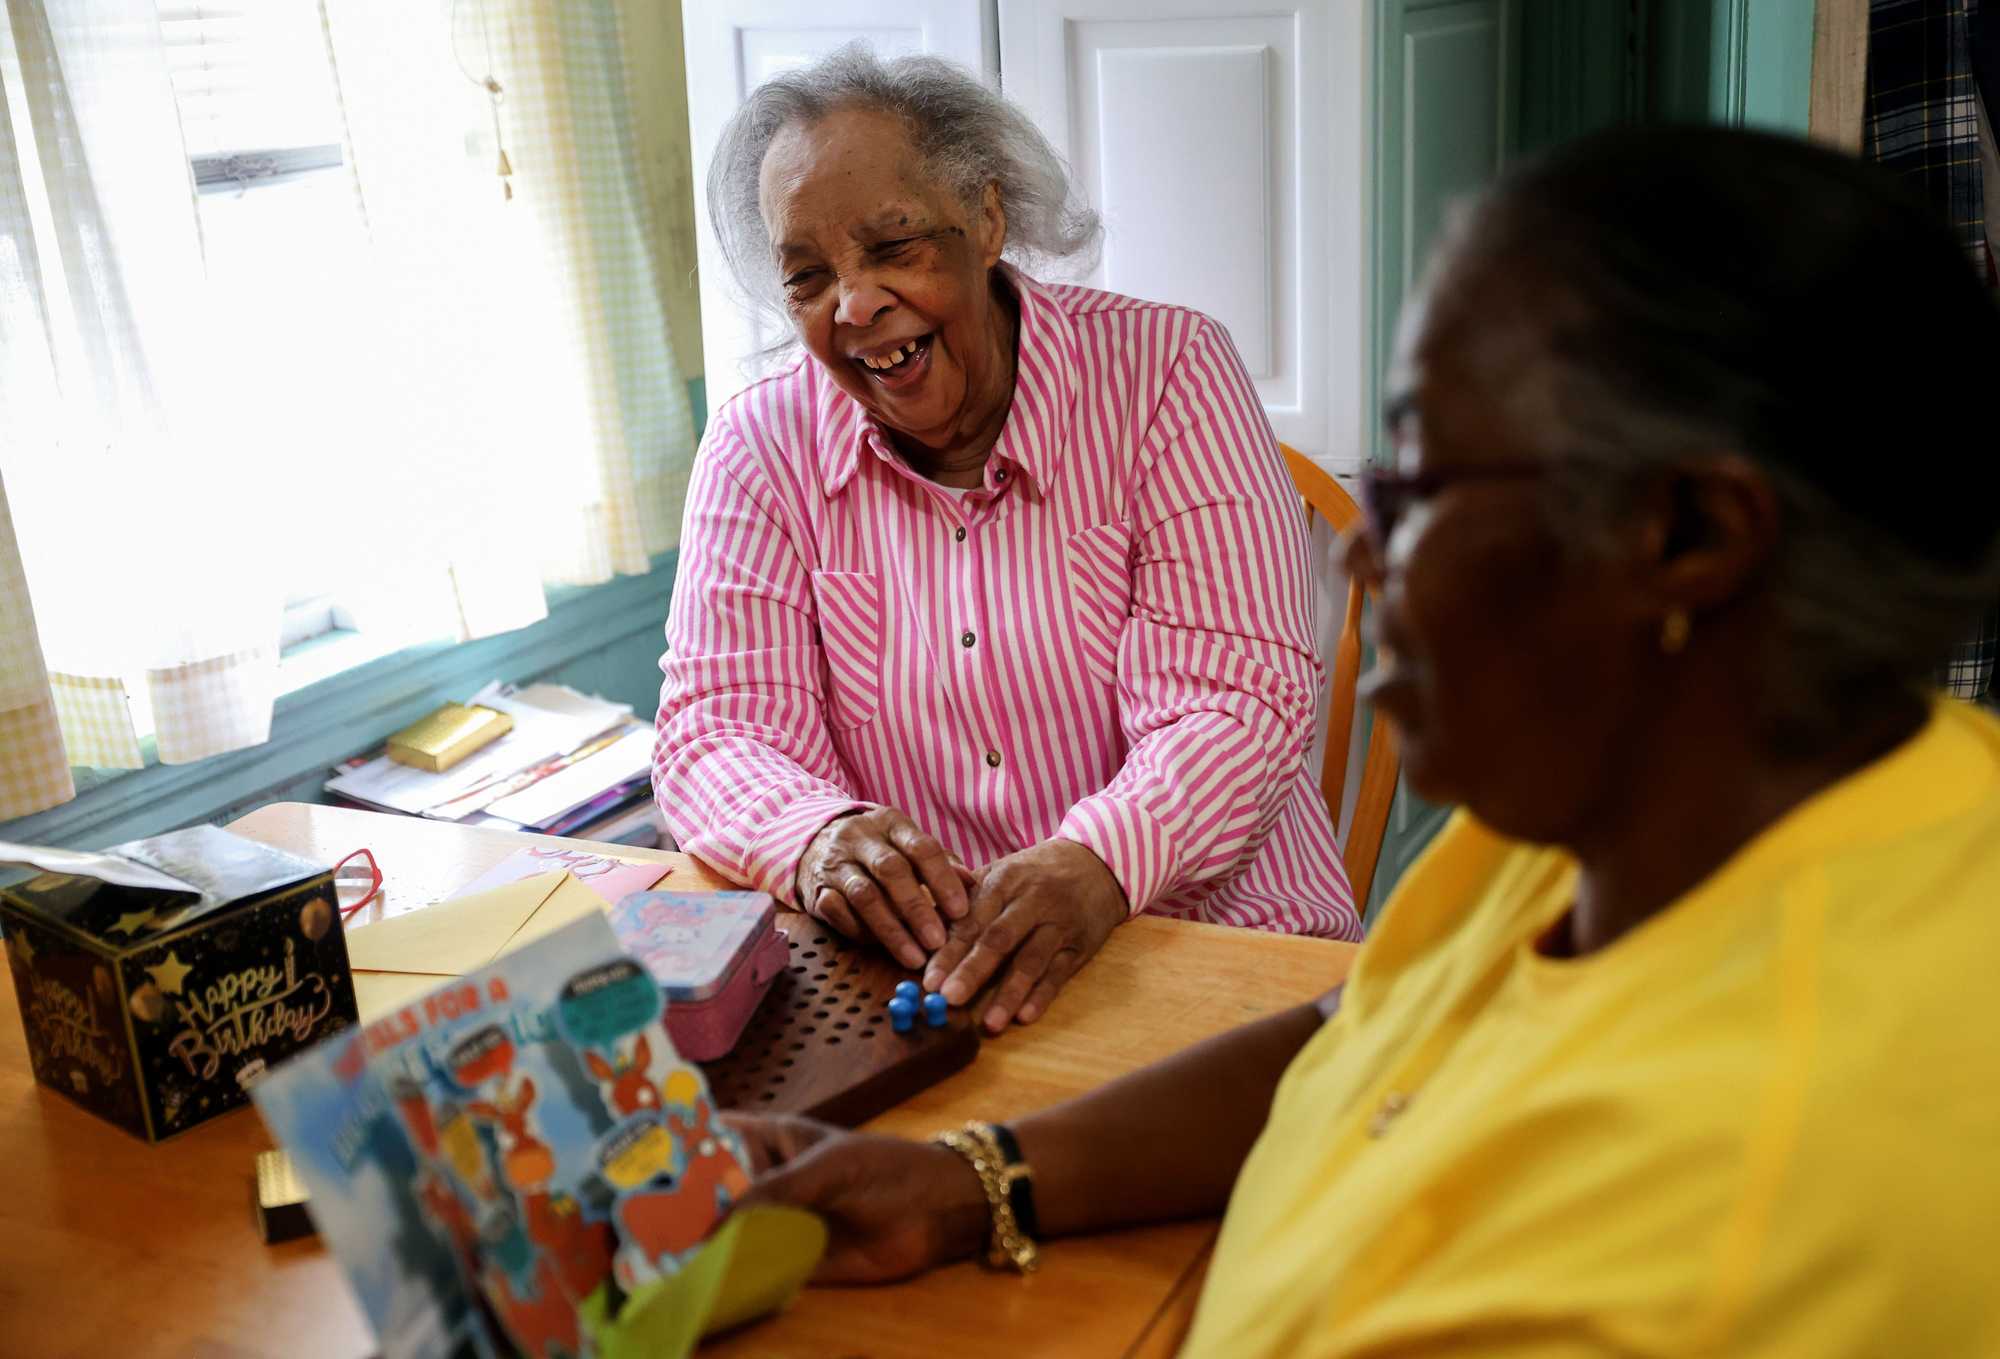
x,y
1009,1246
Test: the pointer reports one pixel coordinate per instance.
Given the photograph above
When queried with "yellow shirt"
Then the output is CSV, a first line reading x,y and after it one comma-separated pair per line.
x,y
1765,1122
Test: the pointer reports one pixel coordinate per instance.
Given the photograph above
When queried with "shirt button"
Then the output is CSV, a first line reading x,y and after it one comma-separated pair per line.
x,y
959,534
965,639
1392,1106
992,759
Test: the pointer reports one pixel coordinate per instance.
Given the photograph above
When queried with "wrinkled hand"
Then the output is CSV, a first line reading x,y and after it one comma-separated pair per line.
x,y
892,1208
876,873
1044,912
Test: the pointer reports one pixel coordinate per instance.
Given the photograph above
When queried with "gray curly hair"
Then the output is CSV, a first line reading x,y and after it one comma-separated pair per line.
x,y
968,135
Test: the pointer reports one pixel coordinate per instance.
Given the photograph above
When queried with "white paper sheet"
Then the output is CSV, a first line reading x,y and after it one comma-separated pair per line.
x,y
103,867
565,789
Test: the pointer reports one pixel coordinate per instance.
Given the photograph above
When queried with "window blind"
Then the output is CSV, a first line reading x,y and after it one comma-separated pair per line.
x,y
255,89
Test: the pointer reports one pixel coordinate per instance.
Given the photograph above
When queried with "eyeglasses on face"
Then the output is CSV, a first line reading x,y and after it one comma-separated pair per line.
x,y
1386,493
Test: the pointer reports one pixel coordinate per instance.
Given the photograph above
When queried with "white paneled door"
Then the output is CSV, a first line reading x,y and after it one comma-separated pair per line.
x,y
1227,145
735,45
1278,164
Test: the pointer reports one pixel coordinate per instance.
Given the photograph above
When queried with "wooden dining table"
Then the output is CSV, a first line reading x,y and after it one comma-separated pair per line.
x,y
111,1246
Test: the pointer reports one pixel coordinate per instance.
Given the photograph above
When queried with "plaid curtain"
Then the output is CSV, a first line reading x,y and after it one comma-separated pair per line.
x,y
126,494
1969,672
567,409
1922,121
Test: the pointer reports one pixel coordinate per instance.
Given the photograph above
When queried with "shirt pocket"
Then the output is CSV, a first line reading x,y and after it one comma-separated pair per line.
x,y
849,604
1100,595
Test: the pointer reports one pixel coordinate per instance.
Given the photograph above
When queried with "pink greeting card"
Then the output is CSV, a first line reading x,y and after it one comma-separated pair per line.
x,y
610,878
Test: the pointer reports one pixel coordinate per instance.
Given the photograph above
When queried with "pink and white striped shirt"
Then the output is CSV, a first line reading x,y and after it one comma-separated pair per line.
x,y
1108,641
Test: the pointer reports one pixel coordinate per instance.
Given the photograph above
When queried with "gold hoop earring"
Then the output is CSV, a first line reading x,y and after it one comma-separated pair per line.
x,y
1674,630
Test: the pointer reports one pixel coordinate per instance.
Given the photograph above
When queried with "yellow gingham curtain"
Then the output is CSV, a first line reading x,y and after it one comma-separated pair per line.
x,y
551,300
122,518
34,770
569,126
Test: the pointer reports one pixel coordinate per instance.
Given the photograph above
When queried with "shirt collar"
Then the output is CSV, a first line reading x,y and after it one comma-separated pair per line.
x,y
1036,434
1948,771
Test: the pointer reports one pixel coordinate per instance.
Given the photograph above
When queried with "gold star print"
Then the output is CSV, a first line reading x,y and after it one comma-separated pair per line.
x,y
132,922
169,975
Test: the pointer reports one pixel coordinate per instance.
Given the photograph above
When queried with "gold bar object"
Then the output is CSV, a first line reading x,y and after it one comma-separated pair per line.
x,y
281,1200
441,740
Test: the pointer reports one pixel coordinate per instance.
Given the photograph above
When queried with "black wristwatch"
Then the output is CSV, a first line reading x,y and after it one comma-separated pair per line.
x,y
1021,1193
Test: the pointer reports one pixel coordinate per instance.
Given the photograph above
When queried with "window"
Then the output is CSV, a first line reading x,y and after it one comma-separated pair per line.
x,y
352,378
255,91
281,226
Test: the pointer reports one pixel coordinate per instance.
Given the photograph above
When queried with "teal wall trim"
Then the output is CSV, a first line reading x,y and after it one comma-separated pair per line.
x,y
1587,64
1679,60
1729,62
1741,63
607,638
1385,275
1776,73
1446,111
1413,824
1452,106
1581,69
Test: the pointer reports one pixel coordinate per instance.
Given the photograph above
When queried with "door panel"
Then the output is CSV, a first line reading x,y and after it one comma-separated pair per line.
x,y
1225,143
1456,114
1445,126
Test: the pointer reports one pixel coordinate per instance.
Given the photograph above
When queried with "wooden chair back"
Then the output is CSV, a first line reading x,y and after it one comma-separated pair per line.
x,y
1363,846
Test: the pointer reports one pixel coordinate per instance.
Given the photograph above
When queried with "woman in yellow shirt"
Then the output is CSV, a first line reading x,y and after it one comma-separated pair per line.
x,y
1683,1038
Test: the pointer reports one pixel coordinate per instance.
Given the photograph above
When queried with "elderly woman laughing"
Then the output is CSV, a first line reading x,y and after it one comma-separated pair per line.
x,y
992,622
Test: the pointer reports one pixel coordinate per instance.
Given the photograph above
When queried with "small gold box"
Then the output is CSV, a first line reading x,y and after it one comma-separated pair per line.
x,y
281,1200
447,736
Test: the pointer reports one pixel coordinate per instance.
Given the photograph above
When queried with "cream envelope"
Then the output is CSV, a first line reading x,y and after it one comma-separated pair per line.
x,y
383,993
396,960
572,899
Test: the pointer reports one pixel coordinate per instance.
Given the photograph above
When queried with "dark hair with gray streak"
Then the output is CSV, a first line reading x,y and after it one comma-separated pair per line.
x,y
968,135
1703,291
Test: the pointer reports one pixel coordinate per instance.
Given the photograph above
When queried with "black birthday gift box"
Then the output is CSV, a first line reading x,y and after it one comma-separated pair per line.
x,y
160,978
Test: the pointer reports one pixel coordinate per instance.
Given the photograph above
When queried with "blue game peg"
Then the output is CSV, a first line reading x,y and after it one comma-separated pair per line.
x,y
902,1014
907,990
934,1010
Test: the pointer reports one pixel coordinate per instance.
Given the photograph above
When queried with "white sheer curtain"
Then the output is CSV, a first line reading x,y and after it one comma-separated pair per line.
x,y
118,490
462,398
528,324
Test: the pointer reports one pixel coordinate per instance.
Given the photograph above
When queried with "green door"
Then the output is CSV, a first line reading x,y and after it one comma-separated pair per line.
x,y
1463,86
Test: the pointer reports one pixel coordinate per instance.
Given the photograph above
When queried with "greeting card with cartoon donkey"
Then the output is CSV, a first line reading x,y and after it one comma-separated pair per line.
x,y
521,1163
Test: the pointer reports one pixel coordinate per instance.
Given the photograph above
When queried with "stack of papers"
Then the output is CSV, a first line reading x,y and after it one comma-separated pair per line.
x,y
567,754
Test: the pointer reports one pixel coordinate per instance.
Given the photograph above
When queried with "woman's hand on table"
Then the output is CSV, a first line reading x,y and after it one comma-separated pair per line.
x,y
1042,912
893,1208
877,873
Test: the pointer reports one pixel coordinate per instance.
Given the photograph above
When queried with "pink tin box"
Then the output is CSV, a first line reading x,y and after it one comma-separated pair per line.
x,y
715,954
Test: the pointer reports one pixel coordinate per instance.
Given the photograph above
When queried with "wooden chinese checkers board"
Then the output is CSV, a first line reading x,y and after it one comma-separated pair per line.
x,y
820,1042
